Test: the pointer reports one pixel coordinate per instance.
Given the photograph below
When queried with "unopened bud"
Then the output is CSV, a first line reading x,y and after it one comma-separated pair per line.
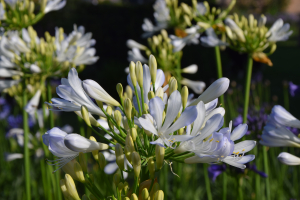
x,y
125,123
119,156
159,195
100,104
71,187
118,117
101,160
153,68
133,197
136,163
160,154
273,48
145,194
187,20
120,89
160,93
82,162
63,188
126,187
172,85
151,167
127,153
95,153
85,115
129,143
78,172
181,131
126,198
133,134
109,110
129,92
155,188
117,179
184,96
120,186
151,95
132,73
139,73
128,108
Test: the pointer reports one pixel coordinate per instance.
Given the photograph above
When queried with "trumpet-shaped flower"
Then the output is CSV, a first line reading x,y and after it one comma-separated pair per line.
x,y
165,127
192,69
191,38
135,55
73,96
279,31
211,39
288,159
33,104
133,44
68,146
54,5
196,86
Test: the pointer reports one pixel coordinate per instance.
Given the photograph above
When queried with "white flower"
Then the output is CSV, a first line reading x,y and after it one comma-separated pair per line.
x,y
9,73
196,86
7,84
236,29
73,96
191,38
135,55
201,9
288,159
216,89
192,69
279,31
32,105
283,117
54,5
211,40
133,44
68,146
165,127
12,156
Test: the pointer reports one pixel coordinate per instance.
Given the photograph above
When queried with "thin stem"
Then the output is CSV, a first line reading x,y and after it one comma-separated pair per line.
x,y
266,166
224,186
136,180
207,184
247,87
26,149
138,101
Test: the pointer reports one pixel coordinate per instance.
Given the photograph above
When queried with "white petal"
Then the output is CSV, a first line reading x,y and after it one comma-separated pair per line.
x,y
197,159
32,105
146,124
110,168
282,116
196,86
200,118
78,143
288,159
156,107
239,132
244,146
192,69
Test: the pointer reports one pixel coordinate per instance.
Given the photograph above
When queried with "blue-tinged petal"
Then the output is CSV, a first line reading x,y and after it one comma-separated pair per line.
x,y
158,142
146,82
233,163
181,138
147,125
110,168
282,116
187,117
156,107
64,92
211,105
288,159
239,132
200,118
160,79
244,146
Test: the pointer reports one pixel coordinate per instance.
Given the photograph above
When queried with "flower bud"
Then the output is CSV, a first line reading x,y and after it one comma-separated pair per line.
x,y
100,104
120,186
78,172
133,134
153,68
172,85
127,153
85,115
82,162
128,91
109,110
95,152
132,73
160,154
120,89
117,179
101,160
145,194
126,198
133,197
187,20
181,131
139,73
160,93
128,108
136,163
119,156
151,95
126,187
118,117
155,188
159,195
92,120
151,167
129,143
125,123
71,187
184,96
63,188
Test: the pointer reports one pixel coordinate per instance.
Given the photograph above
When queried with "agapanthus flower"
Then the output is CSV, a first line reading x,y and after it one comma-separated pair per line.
x,y
54,5
191,38
211,39
288,159
294,89
196,86
279,31
8,157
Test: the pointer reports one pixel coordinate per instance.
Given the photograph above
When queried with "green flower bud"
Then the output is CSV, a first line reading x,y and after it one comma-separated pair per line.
x,y
132,73
151,95
160,93
120,186
133,197
151,167
155,188
118,117
95,153
100,104
187,20
127,153
64,189
82,162
172,85
129,143
181,131
184,96
160,154
120,89
136,163
126,198
117,179
101,160
126,187
119,156
153,68
71,187
85,115
128,108
133,134
78,172
159,195
129,92
109,110
145,194
139,73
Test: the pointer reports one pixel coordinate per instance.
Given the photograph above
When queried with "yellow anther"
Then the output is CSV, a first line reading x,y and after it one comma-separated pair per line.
x,y
243,149
217,141
222,156
211,140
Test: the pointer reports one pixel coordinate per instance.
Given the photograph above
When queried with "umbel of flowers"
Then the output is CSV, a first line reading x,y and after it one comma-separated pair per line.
x,y
147,127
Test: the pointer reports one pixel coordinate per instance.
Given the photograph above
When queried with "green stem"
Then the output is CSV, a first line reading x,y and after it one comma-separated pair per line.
x,y
267,172
247,87
138,101
241,196
26,149
224,186
136,180
207,184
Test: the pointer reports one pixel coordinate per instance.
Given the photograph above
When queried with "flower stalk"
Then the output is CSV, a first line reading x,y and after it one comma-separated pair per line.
x,y
247,87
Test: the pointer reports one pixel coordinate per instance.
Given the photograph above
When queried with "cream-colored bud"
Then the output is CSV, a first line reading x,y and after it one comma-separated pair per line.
x,y
128,108
84,197
151,95
129,143
153,68
82,162
101,160
133,134
159,195
78,172
184,96
95,153
85,115
126,198
119,156
164,34
128,91
118,117
186,9
93,121
273,48
187,20
100,104
126,187
136,163
145,194
146,108
160,93
127,153
63,188
204,25
251,21
117,179
132,73
172,85
155,188
120,89
160,154
151,168
181,131
109,110
133,197
139,73
125,123
71,187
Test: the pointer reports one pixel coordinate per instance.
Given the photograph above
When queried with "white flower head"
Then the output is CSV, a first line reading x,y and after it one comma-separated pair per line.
x,y
54,5
191,38
279,31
